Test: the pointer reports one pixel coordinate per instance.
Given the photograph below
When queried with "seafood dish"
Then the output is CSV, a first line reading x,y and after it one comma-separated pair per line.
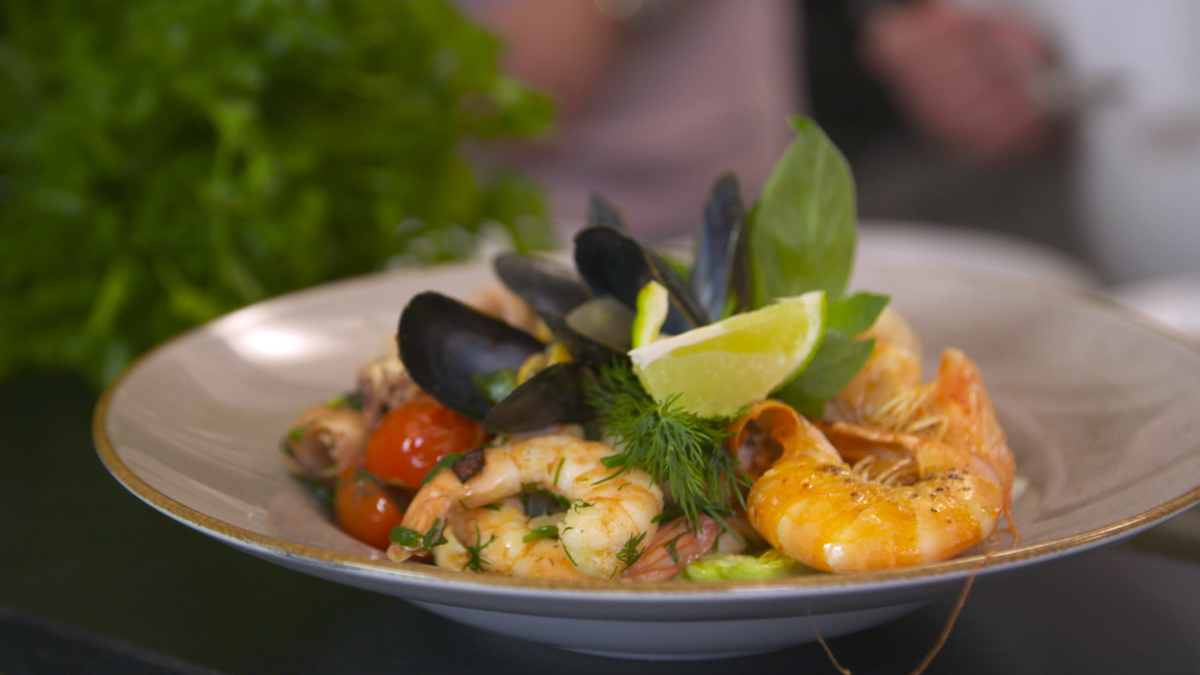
x,y
643,417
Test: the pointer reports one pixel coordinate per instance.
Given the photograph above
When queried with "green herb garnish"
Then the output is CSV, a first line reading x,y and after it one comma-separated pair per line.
x,y
475,561
801,236
630,552
672,445
498,385
802,229
670,546
445,462
320,490
543,532
536,500
353,400
413,540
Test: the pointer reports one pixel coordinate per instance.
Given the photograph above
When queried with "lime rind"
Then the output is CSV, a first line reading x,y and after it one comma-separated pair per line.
x,y
653,303
716,370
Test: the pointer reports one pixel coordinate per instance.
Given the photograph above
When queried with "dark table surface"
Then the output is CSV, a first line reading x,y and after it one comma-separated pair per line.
x,y
94,581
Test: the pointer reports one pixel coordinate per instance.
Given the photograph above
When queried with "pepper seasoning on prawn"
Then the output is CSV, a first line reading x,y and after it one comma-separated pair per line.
x,y
925,490
610,513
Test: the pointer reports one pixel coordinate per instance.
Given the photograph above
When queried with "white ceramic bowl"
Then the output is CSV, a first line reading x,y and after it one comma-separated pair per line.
x,y
1100,411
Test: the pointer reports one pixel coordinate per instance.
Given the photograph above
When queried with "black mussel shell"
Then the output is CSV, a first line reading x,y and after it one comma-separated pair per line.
x,y
552,396
546,286
601,211
446,346
613,263
722,267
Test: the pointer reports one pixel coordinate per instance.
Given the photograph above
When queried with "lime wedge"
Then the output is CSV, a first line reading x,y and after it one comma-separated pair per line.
x,y
652,306
719,368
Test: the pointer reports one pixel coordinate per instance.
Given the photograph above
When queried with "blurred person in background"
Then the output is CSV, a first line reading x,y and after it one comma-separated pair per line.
x,y
1078,121
963,77
657,99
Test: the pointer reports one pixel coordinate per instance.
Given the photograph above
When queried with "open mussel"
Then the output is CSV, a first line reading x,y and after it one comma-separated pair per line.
x,y
613,263
601,211
451,350
552,396
720,278
596,333
592,329
447,346
545,285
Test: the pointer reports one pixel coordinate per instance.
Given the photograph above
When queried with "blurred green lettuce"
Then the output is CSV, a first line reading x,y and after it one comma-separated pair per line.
x,y
165,161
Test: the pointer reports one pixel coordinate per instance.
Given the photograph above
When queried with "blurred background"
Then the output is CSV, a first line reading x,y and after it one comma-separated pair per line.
x,y
164,163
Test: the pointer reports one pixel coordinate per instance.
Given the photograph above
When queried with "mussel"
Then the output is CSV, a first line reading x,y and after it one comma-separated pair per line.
x,y
601,211
720,278
450,348
592,330
614,263
552,396
545,285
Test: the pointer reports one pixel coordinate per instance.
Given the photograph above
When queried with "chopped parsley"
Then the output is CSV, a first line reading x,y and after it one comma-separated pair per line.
x,y
412,540
445,462
543,532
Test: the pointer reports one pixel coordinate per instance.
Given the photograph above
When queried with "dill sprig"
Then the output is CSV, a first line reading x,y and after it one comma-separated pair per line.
x,y
674,446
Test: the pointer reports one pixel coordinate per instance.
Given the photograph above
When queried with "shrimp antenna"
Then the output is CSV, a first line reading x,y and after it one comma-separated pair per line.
x,y
937,646
958,605
825,646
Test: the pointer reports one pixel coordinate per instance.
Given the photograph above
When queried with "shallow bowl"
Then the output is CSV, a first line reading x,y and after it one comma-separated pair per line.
x,y
1100,410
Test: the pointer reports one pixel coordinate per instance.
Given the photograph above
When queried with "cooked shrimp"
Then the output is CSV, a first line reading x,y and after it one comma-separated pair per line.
x,y
887,392
609,513
676,546
818,509
324,440
501,539
384,384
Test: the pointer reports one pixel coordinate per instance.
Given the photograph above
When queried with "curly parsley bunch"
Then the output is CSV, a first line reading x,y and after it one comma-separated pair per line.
x,y
165,161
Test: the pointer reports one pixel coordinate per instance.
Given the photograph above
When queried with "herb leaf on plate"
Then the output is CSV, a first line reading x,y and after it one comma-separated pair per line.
x,y
802,229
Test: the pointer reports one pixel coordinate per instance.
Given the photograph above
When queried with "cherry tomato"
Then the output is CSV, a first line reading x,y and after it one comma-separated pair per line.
x,y
365,509
412,437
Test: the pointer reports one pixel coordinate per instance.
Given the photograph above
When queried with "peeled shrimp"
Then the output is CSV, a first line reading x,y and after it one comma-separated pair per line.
x,y
497,539
936,479
609,513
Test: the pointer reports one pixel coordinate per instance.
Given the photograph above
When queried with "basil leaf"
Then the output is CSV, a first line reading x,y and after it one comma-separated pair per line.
x,y
837,361
856,313
801,231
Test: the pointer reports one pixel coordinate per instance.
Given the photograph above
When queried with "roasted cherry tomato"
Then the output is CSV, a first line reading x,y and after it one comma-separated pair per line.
x,y
412,437
366,509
